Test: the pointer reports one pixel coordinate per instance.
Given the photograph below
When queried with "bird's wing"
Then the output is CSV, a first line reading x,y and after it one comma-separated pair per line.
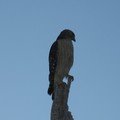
x,y
53,55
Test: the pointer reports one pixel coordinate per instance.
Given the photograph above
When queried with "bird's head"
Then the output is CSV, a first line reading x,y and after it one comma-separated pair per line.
x,y
67,34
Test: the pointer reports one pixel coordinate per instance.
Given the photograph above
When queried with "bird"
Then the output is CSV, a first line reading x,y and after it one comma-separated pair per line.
x,y
61,57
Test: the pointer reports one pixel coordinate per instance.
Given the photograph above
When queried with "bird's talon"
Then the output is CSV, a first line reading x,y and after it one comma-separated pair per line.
x,y
70,77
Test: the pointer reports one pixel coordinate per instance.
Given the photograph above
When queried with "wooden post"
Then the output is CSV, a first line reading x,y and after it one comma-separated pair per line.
x,y
60,107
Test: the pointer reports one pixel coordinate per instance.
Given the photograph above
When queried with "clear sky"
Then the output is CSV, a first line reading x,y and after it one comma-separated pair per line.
x,y
27,30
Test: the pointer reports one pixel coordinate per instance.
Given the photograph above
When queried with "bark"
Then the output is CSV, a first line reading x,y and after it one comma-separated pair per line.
x,y
60,107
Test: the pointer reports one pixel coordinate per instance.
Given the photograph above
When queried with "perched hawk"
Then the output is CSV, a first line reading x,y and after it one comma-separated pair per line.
x,y
60,58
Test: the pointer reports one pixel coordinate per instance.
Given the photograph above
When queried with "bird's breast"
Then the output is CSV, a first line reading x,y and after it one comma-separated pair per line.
x,y
65,56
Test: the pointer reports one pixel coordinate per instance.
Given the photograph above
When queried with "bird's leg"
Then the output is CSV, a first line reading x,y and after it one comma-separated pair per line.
x,y
69,77
62,85
59,82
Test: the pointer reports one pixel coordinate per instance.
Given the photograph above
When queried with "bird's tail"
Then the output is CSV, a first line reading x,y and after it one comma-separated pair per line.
x,y
51,86
50,89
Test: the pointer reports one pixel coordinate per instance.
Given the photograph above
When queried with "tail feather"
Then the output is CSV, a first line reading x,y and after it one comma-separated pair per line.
x,y
50,89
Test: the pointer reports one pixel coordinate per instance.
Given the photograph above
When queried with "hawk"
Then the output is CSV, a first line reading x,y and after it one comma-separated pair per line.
x,y
60,58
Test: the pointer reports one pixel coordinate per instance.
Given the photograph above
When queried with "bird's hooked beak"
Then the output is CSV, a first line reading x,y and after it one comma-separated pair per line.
x,y
74,39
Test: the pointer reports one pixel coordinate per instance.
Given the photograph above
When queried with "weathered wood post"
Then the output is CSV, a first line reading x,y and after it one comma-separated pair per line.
x,y
60,107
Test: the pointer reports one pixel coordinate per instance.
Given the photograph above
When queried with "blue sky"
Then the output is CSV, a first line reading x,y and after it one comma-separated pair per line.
x,y
27,30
